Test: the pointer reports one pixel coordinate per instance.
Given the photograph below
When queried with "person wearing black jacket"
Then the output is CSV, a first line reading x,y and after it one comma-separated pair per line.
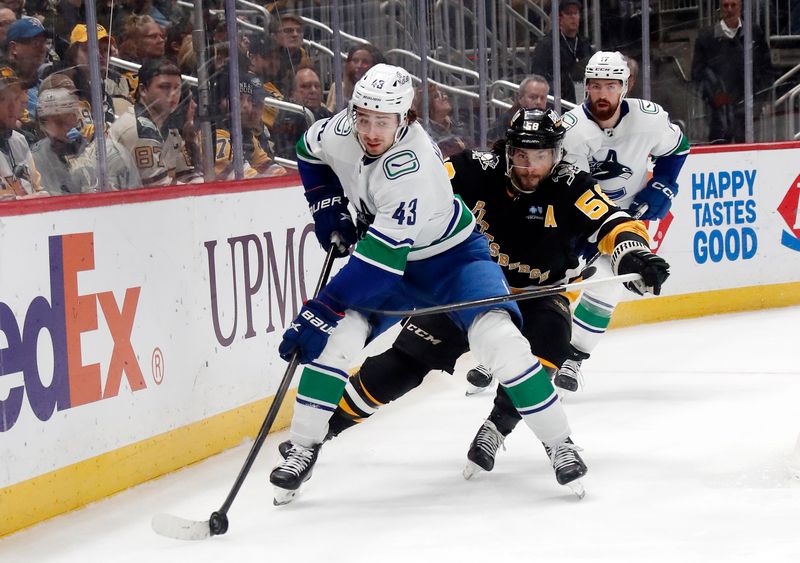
x,y
575,51
718,71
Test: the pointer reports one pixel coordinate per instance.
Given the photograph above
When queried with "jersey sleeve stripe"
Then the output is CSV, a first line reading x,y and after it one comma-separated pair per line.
x,y
682,147
376,252
303,152
462,220
388,240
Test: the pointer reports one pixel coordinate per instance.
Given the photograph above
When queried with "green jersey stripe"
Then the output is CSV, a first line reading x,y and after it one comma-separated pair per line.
x,y
303,152
465,221
378,253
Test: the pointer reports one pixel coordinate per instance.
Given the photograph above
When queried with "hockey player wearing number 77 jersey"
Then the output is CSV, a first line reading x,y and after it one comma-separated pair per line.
x,y
613,137
419,247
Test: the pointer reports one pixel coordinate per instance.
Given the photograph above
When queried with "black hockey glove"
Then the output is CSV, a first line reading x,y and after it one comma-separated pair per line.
x,y
634,258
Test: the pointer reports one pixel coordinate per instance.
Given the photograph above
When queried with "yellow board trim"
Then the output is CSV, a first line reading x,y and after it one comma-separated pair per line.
x,y
26,503
691,305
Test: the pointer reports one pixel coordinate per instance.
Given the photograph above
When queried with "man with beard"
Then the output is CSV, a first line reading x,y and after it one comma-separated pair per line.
x,y
613,138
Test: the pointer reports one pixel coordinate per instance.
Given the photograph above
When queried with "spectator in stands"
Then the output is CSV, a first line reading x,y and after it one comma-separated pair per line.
x,y
145,130
176,34
575,51
15,6
142,39
7,18
66,160
257,154
718,71
449,135
265,63
289,126
288,33
138,8
532,94
26,49
19,178
117,87
360,58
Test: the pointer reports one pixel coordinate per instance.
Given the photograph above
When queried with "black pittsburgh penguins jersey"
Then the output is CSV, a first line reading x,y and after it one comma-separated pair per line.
x,y
537,238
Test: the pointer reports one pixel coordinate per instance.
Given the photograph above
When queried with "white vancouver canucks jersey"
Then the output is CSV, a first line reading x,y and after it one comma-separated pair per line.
x,y
618,157
404,195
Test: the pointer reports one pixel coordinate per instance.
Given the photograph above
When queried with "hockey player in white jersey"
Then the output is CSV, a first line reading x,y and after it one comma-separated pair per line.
x,y
613,137
418,245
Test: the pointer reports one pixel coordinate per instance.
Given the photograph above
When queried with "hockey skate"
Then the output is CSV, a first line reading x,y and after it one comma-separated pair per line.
x,y
568,465
292,472
569,377
483,449
478,379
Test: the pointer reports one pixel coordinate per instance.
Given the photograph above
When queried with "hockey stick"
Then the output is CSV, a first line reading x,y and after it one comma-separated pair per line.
x,y
486,301
183,529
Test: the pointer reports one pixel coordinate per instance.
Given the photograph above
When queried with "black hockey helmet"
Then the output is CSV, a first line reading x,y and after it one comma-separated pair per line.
x,y
532,129
535,129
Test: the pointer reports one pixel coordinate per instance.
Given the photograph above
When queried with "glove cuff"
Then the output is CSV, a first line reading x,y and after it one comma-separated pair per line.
x,y
623,248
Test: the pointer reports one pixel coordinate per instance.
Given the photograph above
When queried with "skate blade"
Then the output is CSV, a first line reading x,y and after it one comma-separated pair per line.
x,y
471,469
577,488
283,496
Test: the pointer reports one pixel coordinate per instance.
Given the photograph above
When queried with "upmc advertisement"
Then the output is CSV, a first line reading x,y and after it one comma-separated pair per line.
x,y
143,314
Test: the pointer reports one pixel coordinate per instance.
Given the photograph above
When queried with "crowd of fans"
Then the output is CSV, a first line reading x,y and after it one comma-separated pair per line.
x,y
48,137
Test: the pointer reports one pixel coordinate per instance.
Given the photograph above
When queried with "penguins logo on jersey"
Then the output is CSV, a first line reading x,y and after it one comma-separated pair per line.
x,y
486,159
609,168
566,171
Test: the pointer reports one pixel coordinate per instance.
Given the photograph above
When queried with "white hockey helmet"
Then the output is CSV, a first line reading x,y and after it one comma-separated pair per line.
x,y
56,101
608,65
385,89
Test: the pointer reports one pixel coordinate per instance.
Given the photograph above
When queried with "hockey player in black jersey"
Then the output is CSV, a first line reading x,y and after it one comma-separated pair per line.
x,y
537,213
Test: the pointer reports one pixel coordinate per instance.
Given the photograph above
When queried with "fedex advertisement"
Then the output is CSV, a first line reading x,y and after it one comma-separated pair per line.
x,y
122,322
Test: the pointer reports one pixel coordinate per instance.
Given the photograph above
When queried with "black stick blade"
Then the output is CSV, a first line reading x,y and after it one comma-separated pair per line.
x,y
178,528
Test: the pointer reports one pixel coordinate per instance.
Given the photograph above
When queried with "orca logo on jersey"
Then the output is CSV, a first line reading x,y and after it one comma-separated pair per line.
x,y
609,168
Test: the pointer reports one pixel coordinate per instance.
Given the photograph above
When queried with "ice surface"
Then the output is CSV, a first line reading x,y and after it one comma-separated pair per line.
x,y
688,429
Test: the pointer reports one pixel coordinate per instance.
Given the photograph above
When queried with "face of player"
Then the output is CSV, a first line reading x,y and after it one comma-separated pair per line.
x,y
531,166
359,63
163,94
57,126
376,130
604,97
534,95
